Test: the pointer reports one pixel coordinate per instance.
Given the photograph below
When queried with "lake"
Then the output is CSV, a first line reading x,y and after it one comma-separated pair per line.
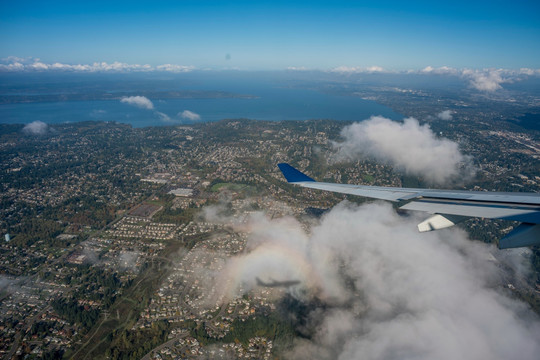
x,y
269,102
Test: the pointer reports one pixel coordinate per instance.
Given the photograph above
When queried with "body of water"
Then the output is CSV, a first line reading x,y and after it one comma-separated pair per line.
x,y
529,121
269,102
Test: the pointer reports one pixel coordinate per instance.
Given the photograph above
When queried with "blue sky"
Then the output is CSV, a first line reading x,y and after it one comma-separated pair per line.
x,y
249,35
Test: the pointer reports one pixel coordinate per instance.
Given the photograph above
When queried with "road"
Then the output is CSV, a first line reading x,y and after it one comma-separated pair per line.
x,y
164,345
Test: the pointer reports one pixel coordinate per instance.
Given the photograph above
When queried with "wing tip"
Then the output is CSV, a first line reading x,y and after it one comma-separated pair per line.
x,y
293,175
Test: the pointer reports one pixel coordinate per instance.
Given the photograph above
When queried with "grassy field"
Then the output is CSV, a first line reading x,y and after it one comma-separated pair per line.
x,y
368,178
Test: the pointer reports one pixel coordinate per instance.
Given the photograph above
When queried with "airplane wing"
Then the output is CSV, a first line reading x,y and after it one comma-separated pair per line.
x,y
448,206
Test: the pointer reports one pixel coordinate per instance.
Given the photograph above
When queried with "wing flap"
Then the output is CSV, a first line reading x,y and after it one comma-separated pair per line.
x,y
482,196
490,210
437,222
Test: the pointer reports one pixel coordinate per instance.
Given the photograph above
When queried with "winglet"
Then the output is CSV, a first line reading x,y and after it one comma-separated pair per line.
x,y
524,235
292,175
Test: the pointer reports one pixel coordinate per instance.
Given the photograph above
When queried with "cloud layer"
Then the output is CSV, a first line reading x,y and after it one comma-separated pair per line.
x,y
32,64
408,146
388,291
486,80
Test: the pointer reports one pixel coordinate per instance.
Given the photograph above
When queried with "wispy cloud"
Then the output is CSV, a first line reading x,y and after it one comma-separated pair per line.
x,y
408,146
189,115
139,101
13,59
127,260
297,68
445,115
163,116
143,102
36,128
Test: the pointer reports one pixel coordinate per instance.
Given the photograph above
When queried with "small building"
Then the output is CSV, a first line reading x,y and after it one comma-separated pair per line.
x,y
7,237
183,192
155,181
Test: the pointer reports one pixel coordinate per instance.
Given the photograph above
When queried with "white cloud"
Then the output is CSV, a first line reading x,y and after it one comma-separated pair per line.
x,y
38,66
163,117
144,103
6,283
33,64
36,128
174,68
12,59
90,253
127,260
297,68
353,69
487,80
139,101
530,72
419,298
387,291
277,250
445,115
15,66
407,146
346,69
189,115
443,70
374,69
